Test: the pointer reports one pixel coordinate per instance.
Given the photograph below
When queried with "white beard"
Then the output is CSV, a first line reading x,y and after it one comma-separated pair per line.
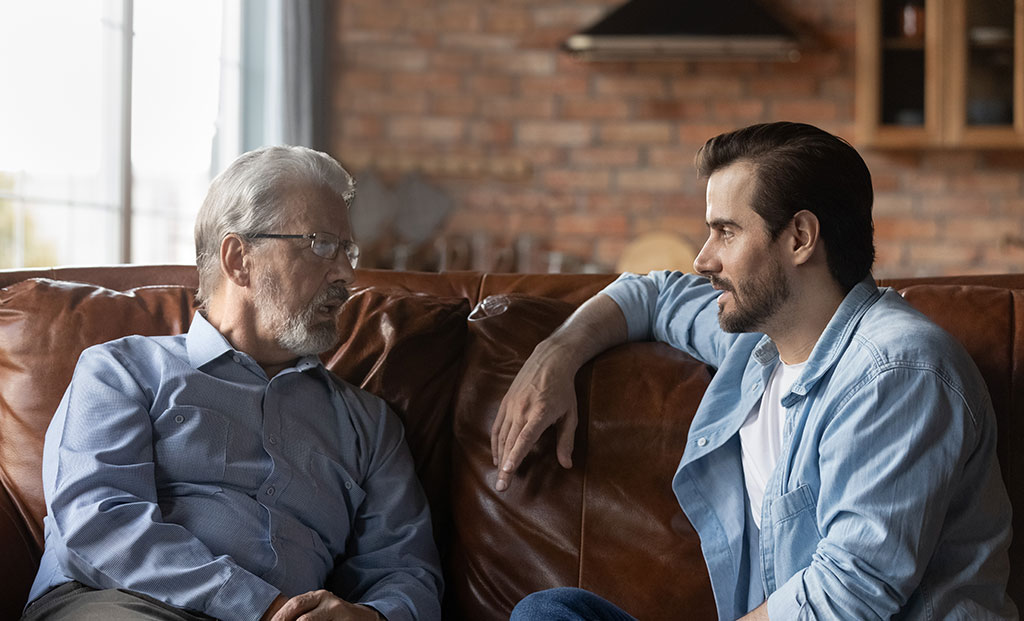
x,y
298,332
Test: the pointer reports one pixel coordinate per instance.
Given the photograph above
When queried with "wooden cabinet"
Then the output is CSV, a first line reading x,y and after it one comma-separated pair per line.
x,y
940,73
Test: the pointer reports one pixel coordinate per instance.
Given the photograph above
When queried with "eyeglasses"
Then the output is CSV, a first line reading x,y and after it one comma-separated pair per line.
x,y
324,245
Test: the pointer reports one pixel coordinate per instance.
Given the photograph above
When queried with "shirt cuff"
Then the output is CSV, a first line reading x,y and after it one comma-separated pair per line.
x,y
390,610
243,596
789,599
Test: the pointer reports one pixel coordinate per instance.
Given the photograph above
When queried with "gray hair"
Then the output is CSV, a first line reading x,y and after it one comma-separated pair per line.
x,y
249,195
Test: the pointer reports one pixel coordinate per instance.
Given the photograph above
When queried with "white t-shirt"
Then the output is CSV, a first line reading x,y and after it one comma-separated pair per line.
x,y
761,435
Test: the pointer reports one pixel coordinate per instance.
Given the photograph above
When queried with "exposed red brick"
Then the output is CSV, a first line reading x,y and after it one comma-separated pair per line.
x,y
643,86
889,203
587,108
669,110
639,132
740,110
573,134
957,256
984,183
812,111
572,17
429,129
680,158
457,106
796,86
989,231
650,180
542,107
887,228
491,132
553,85
489,85
705,86
587,180
590,224
519,63
478,97
506,19
606,156
429,82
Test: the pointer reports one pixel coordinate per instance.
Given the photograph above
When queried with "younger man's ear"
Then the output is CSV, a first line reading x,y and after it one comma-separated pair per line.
x,y
806,235
235,260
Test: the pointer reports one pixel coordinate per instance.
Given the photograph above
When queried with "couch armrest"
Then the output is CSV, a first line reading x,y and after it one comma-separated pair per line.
x,y
20,558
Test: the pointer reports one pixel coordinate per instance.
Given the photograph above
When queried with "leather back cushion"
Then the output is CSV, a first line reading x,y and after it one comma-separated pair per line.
x,y
609,523
989,323
404,347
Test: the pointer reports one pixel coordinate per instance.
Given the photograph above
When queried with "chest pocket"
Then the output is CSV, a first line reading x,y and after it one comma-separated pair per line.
x,y
190,445
795,531
337,498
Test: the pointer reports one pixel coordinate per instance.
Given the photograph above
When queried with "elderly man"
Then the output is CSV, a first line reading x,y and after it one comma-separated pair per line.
x,y
225,472
842,463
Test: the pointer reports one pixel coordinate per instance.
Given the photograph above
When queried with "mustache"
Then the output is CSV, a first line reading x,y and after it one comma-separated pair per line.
x,y
333,293
721,283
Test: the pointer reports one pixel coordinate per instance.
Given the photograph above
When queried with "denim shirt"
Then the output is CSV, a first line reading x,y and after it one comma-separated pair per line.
x,y
174,467
887,500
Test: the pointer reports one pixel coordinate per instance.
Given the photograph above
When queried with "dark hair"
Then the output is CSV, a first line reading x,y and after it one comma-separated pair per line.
x,y
798,167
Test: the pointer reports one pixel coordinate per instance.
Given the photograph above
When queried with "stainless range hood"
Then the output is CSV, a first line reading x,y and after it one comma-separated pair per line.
x,y
681,29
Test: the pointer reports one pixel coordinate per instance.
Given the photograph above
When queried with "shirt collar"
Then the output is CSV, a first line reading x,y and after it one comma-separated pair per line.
x,y
833,339
205,343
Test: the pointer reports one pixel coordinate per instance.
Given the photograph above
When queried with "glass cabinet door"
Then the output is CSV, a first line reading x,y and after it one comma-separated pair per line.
x,y
902,94
946,73
990,63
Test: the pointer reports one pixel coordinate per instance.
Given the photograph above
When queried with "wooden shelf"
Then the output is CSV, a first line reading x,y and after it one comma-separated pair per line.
x,y
960,84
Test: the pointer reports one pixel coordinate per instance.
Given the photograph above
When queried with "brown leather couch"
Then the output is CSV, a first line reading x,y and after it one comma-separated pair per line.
x,y
442,349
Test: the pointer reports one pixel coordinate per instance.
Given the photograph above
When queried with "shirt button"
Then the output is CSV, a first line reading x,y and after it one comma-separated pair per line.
x,y
179,419
236,358
273,539
272,440
270,491
754,387
702,441
348,484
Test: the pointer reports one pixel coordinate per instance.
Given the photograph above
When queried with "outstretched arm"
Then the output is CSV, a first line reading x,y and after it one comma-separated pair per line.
x,y
542,392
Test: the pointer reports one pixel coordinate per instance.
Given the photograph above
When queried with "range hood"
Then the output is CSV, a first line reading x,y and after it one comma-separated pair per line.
x,y
679,29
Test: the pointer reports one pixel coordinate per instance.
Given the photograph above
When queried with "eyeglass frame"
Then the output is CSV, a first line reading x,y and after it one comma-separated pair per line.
x,y
351,248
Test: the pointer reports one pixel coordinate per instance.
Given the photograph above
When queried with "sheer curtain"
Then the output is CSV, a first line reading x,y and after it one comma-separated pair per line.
x,y
285,73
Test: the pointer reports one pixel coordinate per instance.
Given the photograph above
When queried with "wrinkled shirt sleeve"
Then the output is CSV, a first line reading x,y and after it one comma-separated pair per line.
x,y
391,561
98,476
674,308
895,453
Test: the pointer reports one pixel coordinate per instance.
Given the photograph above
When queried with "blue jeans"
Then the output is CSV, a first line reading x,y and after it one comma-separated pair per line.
x,y
567,604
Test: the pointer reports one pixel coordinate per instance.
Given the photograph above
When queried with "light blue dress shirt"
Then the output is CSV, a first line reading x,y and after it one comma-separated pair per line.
x,y
887,500
175,468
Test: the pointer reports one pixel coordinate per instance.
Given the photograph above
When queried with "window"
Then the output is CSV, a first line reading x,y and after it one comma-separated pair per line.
x,y
109,141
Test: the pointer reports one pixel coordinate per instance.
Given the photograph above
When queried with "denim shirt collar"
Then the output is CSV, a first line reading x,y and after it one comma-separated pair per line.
x,y
832,342
205,344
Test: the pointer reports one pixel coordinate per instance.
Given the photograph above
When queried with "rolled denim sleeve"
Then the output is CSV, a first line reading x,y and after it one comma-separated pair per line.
x,y
674,308
896,453
102,501
391,562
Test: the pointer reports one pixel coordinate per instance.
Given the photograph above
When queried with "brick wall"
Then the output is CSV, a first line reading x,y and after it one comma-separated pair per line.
x,y
542,153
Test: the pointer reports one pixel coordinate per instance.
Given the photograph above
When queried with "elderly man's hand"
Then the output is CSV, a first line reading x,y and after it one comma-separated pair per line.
x,y
542,394
319,606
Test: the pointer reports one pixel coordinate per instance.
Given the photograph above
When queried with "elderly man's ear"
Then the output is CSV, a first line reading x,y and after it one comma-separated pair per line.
x,y
235,260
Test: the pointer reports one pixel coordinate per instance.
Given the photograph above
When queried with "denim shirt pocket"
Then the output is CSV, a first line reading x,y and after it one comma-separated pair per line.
x,y
190,445
795,531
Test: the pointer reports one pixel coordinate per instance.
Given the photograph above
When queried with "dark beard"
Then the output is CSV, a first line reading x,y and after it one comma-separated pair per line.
x,y
762,297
